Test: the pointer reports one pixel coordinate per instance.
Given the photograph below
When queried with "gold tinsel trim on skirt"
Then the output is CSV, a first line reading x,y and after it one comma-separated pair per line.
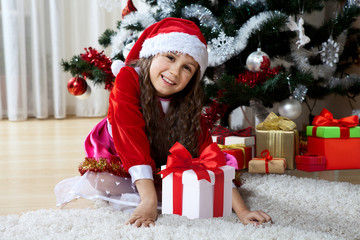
x,y
102,165
114,167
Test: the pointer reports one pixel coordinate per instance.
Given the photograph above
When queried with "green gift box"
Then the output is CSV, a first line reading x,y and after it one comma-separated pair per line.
x,y
331,132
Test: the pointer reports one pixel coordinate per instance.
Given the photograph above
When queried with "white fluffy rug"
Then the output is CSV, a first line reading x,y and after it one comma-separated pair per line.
x,y
301,209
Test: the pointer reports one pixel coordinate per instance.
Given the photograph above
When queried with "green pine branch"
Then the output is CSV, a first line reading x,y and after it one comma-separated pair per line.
x,y
105,38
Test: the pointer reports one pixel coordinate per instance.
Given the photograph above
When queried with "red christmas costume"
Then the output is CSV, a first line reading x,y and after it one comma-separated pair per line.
x,y
119,144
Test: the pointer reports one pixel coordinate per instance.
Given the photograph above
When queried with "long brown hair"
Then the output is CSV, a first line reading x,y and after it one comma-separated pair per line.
x,y
181,123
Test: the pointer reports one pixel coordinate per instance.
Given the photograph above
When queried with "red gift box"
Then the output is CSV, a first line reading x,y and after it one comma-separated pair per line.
x,y
340,153
243,156
310,163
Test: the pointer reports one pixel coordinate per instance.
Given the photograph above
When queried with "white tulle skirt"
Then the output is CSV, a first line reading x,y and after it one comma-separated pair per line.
x,y
118,191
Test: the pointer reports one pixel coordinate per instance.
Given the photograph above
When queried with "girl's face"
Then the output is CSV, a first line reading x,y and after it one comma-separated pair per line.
x,y
171,72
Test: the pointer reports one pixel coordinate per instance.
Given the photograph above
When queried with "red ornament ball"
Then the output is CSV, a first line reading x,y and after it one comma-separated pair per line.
x,y
77,86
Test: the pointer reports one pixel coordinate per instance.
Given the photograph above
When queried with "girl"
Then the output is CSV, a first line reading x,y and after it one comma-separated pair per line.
x,y
149,111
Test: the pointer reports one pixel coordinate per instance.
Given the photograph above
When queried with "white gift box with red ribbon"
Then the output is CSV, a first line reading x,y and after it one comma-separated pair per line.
x,y
200,198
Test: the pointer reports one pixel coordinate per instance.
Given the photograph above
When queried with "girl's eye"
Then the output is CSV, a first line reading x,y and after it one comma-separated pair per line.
x,y
170,57
187,68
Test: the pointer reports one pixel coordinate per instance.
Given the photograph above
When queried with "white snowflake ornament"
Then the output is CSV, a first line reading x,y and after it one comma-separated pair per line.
x,y
330,52
222,47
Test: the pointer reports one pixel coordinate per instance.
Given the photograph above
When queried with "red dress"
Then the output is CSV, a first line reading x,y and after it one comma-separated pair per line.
x,y
128,125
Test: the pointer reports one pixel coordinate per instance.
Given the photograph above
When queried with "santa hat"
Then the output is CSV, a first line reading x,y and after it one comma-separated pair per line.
x,y
171,35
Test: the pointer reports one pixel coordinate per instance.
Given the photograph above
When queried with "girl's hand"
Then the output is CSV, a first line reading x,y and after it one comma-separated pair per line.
x,y
244,214
254,217
144,215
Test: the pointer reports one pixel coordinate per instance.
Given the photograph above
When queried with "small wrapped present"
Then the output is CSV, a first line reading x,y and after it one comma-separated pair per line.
x,y
242,153
197,187
336,139
310,163
267,164
224,136
279,136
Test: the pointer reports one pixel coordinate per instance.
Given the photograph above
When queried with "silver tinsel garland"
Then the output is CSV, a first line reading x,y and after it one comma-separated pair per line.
x,y
239,42
238,3
345,82
204,15
301,59
166,7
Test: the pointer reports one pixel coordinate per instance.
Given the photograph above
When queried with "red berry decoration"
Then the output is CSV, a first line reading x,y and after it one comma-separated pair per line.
x,y
77,86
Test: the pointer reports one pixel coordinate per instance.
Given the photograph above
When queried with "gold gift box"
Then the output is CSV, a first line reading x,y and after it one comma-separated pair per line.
x,y
258,165
281,144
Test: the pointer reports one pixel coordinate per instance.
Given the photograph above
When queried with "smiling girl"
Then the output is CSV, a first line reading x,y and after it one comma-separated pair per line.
x,y
150,109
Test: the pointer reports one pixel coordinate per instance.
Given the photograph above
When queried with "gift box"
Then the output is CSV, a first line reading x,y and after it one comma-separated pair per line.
x,y
279,136
333,132
310,163
242,153
224,136
340,153
267,164
336,139
197,187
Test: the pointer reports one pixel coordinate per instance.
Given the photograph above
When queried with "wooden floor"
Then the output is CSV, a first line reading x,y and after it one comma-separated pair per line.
x,y
37,154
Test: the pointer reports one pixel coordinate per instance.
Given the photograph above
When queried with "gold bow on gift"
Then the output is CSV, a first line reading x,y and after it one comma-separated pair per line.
x,y
273,122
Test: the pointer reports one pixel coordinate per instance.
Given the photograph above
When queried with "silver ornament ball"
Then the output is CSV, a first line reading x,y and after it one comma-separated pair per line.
x,y
290,108
258,61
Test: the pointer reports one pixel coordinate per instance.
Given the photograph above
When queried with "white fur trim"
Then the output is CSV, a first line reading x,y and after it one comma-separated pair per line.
x,y
169,42
116,66
141,172
109,128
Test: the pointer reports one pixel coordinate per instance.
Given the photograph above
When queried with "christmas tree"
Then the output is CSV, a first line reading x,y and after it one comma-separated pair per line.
x,y
260,51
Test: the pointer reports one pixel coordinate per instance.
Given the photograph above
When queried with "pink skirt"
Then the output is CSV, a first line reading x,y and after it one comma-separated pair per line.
x,y
102,175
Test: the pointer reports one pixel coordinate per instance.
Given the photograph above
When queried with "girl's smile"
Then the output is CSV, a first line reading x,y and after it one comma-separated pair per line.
x,y
168,81
171,72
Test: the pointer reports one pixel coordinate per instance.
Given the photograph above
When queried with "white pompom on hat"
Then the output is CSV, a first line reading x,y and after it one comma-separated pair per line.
x,y
171,35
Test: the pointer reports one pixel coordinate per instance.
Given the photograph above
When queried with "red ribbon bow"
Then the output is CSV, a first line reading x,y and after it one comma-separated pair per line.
x,y
180,160
266,156
326,119
223,132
